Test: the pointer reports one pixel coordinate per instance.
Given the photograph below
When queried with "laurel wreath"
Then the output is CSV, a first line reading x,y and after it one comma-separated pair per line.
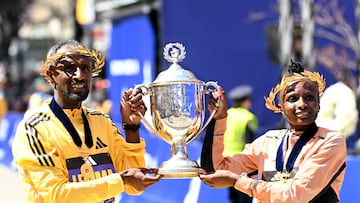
x,y
50,63
313,76
171,59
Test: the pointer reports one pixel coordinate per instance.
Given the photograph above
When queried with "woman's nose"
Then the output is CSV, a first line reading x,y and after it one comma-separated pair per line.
x,y
302,103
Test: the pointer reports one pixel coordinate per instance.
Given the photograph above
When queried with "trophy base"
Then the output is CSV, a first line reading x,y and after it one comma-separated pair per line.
x,y
179,173
179,168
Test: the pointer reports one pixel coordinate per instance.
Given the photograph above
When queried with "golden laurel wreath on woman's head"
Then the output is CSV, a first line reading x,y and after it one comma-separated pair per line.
x,y
297,72
50,63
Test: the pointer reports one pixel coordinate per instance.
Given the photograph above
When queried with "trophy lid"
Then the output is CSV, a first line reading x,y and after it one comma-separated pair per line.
x,y
174,53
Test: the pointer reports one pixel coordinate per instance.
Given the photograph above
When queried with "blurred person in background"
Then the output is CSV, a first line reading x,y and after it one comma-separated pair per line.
x,y
98,98
339,108
241,127
66,152
41,91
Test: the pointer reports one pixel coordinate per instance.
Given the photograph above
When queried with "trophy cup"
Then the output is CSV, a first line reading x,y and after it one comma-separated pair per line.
x,y
177,111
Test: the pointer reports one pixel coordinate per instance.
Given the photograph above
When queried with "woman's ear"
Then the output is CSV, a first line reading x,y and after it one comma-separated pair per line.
x,y
281,108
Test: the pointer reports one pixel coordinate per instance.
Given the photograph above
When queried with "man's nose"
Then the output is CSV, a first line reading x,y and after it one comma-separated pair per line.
x,y
79,73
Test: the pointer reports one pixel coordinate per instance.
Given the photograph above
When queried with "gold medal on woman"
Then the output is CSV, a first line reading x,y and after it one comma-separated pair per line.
x,y
87,171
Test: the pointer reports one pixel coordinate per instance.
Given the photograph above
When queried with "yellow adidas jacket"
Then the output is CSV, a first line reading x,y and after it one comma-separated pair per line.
x,y
49,162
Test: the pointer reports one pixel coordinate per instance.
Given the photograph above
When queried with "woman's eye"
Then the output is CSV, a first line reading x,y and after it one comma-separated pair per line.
x,y
310,98
291,99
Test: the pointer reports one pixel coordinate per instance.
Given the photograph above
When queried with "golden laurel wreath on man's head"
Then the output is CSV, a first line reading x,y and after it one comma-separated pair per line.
x,y
297,72
50,63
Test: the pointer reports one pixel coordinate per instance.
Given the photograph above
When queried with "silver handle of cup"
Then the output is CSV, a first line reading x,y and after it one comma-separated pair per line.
x,y
208,91
145,92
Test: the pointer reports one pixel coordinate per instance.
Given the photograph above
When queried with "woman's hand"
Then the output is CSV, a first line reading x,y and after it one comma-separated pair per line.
x,y
217,101
219,179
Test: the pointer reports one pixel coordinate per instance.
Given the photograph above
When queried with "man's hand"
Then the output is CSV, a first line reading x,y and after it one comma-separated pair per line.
x,y
140,178
132,106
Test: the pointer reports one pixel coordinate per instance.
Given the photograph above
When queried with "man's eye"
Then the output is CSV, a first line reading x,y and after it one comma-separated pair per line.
x,y
68,68
65,66
85,67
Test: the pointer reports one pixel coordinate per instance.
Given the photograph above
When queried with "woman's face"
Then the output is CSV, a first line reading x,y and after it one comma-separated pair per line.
x,y
300,103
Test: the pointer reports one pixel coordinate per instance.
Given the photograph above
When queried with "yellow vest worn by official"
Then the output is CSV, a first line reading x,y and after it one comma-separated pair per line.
x,y
240,123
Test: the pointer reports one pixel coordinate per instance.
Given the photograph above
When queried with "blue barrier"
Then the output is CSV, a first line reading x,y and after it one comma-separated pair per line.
x,y
173,190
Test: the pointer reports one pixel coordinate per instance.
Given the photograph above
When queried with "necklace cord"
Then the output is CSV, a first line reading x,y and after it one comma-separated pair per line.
x,y
308,134
60,114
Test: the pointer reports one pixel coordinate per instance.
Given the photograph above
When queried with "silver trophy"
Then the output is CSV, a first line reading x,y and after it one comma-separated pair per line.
x,y
177,111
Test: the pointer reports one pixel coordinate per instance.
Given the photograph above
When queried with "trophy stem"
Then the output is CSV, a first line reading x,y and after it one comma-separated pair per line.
x,y
179,149
179,165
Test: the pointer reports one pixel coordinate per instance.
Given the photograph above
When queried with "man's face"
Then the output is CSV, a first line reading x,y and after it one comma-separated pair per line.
x,y
300,103
72,77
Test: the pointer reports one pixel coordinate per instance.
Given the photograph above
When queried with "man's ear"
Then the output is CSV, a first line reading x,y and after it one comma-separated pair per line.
x,y
51,75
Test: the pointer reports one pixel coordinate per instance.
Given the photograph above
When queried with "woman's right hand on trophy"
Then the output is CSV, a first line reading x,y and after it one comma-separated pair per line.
x,y
217,101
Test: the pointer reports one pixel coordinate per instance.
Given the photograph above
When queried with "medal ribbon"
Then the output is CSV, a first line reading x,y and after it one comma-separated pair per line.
x,y
60,114
308,134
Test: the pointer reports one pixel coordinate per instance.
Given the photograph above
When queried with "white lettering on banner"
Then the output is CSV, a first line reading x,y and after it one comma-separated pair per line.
x,y
124,67
4,128
147,74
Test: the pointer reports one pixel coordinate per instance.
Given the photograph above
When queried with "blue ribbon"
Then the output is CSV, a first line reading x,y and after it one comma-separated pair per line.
x,y
308,134
60,114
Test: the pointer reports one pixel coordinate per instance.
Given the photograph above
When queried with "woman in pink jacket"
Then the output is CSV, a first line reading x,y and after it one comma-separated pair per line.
x,y
304,163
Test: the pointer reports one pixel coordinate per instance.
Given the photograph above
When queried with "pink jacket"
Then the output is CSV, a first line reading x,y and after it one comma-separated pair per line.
x,y
320,159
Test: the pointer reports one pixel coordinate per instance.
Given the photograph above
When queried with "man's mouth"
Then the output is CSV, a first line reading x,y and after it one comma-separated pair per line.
x,y
78,86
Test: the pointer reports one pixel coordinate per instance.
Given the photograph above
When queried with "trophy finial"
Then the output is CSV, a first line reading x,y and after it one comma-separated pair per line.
x,y
174,52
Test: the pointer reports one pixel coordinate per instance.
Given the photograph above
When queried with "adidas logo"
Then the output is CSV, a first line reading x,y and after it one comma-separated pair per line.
x,y
100,144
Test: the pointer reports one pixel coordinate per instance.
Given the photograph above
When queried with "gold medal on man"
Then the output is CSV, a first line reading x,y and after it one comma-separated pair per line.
x,y
87,171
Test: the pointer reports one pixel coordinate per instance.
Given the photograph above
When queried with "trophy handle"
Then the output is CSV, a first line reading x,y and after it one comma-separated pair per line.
x,y
145,91
208,91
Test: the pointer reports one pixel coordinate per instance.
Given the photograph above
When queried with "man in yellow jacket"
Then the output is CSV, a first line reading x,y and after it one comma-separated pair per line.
x,y
66,152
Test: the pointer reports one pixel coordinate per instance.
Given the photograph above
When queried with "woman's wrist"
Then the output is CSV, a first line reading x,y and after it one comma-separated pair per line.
x,y
220,126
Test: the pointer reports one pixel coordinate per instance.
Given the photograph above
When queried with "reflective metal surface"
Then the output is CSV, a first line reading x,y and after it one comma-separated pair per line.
x,y
177,111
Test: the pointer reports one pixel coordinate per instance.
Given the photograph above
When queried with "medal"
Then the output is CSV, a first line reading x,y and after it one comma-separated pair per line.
x,y
282,176
87,171
86,168
284,170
